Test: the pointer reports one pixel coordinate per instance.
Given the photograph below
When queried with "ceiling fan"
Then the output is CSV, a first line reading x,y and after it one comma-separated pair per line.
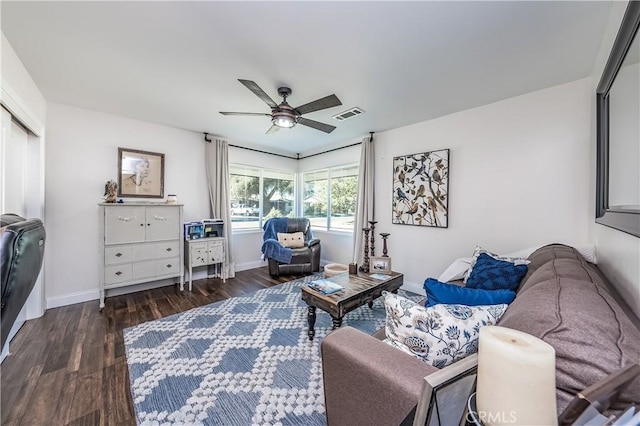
x,y
284,115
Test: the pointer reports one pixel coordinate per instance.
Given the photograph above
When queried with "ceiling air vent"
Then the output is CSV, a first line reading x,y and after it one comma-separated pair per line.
x,y
350,113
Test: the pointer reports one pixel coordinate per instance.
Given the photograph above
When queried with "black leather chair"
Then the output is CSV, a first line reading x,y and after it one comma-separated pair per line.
x,y
304,260
21,255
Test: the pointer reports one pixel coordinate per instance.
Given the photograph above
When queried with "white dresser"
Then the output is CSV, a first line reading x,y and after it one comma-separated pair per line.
x,y
139,243
205,251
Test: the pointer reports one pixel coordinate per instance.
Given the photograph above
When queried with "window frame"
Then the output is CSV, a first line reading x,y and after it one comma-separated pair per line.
x,y
329,171
261,177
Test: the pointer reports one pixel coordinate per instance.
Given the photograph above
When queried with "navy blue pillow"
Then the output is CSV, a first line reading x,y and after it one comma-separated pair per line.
x,y
452,294
492,274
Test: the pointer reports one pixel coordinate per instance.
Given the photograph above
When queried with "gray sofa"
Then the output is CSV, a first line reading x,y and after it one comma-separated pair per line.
x,y
563,300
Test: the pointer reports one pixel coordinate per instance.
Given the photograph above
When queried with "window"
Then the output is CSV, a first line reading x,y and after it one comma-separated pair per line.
x,y
342,203
329,199
257,195
277,194
315,199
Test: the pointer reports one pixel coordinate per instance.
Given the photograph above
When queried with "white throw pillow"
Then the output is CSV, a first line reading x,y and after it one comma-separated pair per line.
x,y
440,334
456,271
293,240
479,250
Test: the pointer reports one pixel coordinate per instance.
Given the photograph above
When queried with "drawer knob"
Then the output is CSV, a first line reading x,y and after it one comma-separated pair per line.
x,y
169,265
118,254
169,249
118,273
142,224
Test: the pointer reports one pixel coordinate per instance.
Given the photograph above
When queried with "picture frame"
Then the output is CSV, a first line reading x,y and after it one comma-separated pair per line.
x,y
445,394
421,189
140,174
381,265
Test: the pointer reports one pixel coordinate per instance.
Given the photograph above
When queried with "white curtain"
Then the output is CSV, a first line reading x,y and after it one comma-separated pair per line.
x,y
217,164
364,198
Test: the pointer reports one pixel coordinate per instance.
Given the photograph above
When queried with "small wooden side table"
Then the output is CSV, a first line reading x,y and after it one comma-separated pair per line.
x,y
202,252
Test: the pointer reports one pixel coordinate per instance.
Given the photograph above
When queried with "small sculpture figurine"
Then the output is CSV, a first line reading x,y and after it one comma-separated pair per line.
x,y
110,190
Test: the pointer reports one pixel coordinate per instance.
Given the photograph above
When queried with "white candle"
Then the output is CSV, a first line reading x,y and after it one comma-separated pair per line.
x,y
516,378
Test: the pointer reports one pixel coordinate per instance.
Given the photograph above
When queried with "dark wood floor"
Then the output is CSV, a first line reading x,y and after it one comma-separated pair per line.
x,y
69,366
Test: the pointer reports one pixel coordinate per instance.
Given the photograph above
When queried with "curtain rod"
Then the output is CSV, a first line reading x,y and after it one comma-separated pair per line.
x,y
297,157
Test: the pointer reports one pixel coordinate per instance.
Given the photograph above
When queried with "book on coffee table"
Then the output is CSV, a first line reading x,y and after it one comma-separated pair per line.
x,y
325,286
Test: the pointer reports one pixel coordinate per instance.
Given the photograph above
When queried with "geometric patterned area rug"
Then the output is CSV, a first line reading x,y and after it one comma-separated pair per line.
x,y
241,361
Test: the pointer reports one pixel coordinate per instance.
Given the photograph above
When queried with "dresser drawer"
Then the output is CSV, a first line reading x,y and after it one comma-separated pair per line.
x,y
169,266
199,254
168,249
117,254
216,252
144,252
144,269
117,274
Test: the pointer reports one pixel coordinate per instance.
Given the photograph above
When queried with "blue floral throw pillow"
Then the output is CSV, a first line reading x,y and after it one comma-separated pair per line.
x,y
438,293
493,274
439,335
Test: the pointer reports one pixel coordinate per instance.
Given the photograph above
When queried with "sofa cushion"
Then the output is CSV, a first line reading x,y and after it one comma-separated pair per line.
x,y
492,274
439,335
565,303
438,292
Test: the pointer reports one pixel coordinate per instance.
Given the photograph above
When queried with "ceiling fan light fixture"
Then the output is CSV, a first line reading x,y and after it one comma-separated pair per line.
x,y
284,119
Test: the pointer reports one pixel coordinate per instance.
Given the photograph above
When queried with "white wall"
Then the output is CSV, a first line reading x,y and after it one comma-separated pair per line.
x,y
519,177
618,253
19,92
82,154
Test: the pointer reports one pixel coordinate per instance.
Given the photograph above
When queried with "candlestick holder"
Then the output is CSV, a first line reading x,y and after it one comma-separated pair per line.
x,y
373,237
365,260
384,236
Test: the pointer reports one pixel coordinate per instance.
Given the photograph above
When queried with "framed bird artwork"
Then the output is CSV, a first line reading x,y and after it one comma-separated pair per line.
x,y
421,189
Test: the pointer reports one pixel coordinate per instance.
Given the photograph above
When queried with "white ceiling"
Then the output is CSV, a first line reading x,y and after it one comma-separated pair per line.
x,y
177,63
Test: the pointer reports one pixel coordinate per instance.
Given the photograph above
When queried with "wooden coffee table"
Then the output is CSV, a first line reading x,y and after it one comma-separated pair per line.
x,y
359,290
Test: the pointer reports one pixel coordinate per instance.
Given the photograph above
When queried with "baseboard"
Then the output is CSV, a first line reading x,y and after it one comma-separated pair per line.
x,y
72,299
413,288
244,266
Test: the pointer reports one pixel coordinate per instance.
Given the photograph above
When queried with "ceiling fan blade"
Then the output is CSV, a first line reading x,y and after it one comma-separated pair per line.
x,y
258,92
272,129
327,128
245,113
326,102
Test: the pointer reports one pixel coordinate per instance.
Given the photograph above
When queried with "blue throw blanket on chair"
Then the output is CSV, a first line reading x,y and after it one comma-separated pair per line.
x,y
271,247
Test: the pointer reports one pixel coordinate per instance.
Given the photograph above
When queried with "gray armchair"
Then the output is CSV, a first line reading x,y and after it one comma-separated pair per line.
x,y
21,254
305,260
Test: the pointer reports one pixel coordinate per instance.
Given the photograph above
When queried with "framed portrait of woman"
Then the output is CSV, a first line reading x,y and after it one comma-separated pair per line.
x,y
140,174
